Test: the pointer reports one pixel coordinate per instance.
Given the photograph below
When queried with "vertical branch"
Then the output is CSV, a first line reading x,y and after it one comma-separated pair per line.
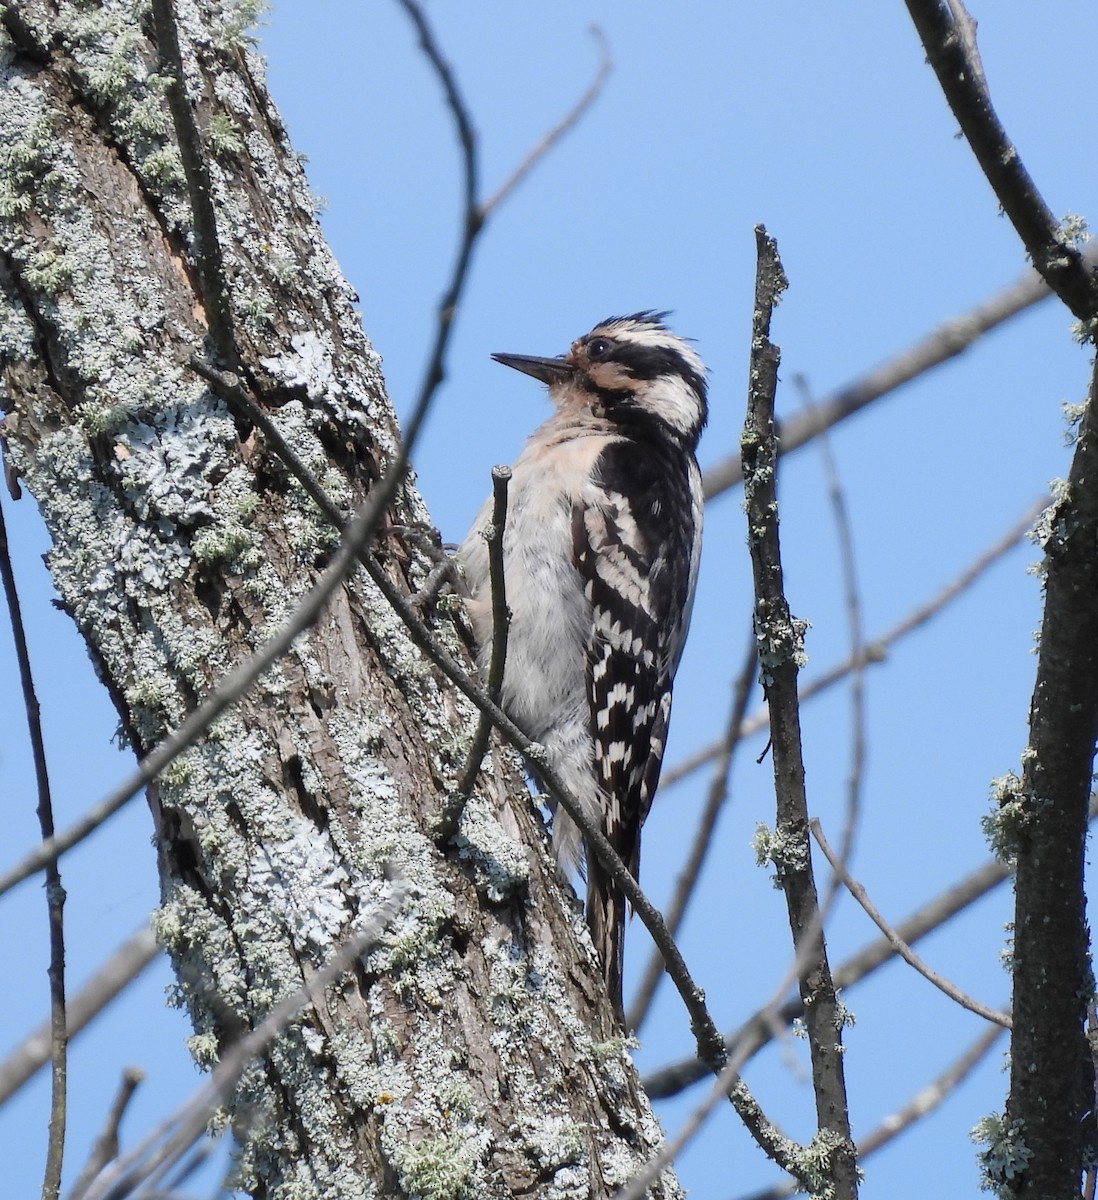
x,y
1049,1112
1037,1149
55,893
501,619
779,637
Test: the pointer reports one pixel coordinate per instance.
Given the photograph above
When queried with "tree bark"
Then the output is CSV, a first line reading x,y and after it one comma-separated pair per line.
x,y
1047,1134
475,1052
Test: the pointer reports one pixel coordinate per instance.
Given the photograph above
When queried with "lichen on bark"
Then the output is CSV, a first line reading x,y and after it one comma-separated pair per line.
x,y
472,1052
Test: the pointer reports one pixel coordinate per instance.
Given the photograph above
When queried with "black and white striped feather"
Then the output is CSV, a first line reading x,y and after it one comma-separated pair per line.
x,y
600,560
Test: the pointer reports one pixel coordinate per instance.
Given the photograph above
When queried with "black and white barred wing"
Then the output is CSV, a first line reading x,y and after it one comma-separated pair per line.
x,y
640,599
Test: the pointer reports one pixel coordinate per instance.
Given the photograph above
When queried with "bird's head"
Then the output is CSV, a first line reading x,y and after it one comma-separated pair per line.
x,y
632,371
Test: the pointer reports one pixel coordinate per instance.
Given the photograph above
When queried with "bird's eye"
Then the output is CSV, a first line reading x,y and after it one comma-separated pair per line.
x,y
597,347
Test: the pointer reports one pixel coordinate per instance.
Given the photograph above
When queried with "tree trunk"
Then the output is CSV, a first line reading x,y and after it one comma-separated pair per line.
x,y
474,1053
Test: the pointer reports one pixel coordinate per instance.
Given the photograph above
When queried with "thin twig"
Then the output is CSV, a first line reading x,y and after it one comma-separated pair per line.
x,y
703,839
949,46
110,978
729,1082
475,215
473,218
450,818
55,893
849,573
780,636
875,650
755,1032
158,1152
902,949
105,1149
943,343
571,118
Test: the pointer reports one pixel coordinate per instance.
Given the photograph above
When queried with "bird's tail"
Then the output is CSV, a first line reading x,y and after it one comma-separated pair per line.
x,y
606,918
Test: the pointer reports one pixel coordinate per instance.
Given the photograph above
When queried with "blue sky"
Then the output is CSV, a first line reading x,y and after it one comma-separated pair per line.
x,y
824,123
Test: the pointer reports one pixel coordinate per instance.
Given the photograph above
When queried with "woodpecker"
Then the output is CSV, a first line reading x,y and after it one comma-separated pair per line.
x,y
600,552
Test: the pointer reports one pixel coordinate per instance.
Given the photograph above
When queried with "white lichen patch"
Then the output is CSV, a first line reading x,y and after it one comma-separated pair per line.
x,y
311,366
501,862
450,1167
164,464
305,884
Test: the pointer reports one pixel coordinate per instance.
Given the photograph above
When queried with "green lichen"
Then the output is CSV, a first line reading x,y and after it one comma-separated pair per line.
x,y
1074,230
46,270
164,168
223,136
1005,1155
238,19
109,45
439,1168
815,1163
779,640
784,849
25,159
1015,808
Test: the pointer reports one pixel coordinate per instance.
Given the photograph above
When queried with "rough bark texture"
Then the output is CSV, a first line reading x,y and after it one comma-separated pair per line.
x,y
473,1054
1047,1134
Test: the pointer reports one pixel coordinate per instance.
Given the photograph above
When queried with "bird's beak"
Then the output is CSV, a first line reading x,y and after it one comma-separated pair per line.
x,y
548,370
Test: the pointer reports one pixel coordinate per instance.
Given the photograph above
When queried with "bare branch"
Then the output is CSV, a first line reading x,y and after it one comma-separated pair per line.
x,y
450,818
756,1031
569,121
924,1102
779,636
857,653
927,1099
475,215
728,1083
105,1149
902,949
55,893
950,50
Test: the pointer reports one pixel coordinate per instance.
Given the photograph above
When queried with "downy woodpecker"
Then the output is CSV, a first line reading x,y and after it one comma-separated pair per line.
x,y
601,555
